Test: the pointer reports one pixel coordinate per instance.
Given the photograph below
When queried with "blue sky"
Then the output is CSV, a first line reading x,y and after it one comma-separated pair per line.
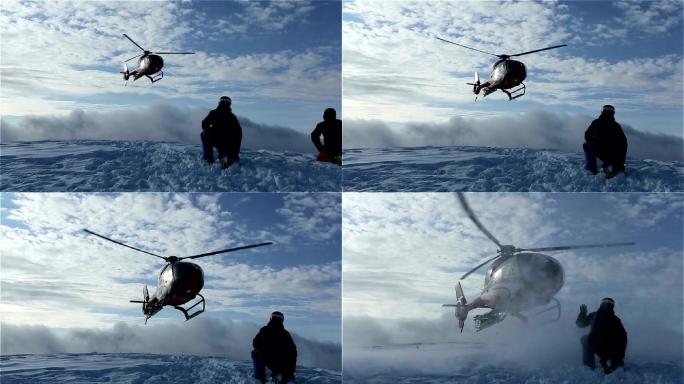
x,y
279,61
55,275
628,54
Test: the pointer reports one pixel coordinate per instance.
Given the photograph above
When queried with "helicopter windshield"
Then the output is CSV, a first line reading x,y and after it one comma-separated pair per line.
x,y
166,275
499,71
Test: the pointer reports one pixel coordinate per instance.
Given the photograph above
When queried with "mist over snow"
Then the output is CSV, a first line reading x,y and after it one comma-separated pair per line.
x,y
536,128
203,336
158,122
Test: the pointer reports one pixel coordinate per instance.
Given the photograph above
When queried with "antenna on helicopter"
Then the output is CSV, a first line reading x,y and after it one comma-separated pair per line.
x,y
510,250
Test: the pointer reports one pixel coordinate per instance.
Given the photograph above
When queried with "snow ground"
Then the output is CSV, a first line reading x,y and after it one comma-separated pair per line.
x,y
108,166
138,369
477,365
485,169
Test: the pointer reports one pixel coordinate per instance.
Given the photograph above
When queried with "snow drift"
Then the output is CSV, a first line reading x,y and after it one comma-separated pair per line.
x,y
138,368
486,169
104,166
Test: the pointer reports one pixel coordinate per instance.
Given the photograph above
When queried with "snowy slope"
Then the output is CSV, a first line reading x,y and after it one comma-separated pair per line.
x,y
497,169
153,166
138,369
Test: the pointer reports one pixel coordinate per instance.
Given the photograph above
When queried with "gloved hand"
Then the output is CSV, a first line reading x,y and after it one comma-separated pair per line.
x,y
583,309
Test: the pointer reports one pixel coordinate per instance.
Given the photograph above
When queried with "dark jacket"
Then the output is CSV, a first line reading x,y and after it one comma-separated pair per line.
x,y
223,131
607,337
332,137
275,348
607,140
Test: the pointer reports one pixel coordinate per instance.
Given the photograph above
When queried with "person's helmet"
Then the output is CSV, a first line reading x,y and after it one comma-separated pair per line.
x,y
226,100
329,114
607,302
608,109
278,316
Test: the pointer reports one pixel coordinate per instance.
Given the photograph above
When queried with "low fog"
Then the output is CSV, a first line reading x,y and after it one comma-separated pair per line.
x,y
201,337
160,122
533,129
374,346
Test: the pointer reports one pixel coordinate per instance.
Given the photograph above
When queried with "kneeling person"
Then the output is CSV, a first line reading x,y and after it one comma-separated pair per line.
x,y
607,338
274,349
606,141
221,130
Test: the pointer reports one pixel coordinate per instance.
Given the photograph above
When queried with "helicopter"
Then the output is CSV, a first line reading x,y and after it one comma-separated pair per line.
x,y
519,279
506,73
179,281
149,64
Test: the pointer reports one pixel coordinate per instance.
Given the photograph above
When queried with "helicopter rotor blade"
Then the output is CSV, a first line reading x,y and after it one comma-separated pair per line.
x,y
136,44
226,250
134,57
471,214
539,50
464,46
120,243
174,53
562,248
480,266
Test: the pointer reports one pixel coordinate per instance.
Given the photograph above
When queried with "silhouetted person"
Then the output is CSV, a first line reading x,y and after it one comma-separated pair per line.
x,y
331,129
275,349
606,141
607,338
221,130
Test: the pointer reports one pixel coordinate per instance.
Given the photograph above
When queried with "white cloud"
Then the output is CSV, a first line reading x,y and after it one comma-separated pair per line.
x,y
53,273
652,17
396,71
62,56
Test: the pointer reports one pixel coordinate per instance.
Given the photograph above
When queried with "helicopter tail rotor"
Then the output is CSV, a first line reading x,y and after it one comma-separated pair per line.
x,y
145,300
476,85
461,306
126,74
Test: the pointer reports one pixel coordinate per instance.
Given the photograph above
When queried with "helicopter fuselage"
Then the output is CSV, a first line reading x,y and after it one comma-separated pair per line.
x,y
521,282
149,65
507,74
179,283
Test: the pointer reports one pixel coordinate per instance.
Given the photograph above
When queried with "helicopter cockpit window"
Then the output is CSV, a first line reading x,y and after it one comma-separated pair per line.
x,y
509,271
166,275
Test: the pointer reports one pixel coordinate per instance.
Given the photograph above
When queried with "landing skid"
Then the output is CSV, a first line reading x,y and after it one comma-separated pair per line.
x,y
557,305
510,97
488,319
156,77
185,311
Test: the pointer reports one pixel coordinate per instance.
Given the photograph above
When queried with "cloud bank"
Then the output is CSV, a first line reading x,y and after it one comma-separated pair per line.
x,y
201,337
159,122
536,128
